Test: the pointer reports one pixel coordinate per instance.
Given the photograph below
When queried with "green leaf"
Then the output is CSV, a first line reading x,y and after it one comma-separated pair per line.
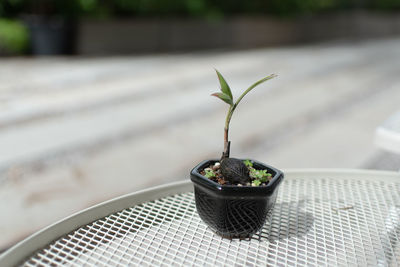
x,y
209,173
252,87
224,86
224,97
261,175
256,183
253,172
248,163
262,80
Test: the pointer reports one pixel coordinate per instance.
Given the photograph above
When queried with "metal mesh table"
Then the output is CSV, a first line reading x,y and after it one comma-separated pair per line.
x,y
321,218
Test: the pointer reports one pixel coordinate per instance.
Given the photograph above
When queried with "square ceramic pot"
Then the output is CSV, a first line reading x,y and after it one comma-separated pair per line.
x,y
234,211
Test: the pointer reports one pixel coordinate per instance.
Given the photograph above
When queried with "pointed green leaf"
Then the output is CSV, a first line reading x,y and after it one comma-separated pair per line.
x,y
252,87
262,80
223,97
224,86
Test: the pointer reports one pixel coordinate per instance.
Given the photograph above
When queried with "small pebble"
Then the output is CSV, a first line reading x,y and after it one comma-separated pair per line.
x,y
216,166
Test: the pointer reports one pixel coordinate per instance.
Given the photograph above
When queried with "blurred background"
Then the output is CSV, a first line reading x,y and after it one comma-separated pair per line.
x,y
102,98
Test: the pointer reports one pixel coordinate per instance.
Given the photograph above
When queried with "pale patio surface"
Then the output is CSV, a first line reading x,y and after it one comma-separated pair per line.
x,y
77,131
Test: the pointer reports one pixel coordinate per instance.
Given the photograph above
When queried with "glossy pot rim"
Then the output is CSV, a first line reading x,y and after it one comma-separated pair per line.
x,y
202,181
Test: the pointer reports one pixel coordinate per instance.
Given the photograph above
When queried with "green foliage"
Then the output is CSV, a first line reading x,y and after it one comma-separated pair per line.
x,y
258,176
63,8
10,8
224,85
385,5
207,9
298,7
13,37
224,97
225,94
209,173
261,175
248,163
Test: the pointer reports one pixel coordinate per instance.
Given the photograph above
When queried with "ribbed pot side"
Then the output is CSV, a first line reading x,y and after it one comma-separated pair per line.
x,y
234,211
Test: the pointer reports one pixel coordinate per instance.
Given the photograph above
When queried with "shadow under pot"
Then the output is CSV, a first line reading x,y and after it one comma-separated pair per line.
x,y
234,211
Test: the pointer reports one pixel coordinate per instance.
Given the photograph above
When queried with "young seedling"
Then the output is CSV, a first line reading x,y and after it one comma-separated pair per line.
x,y
226,96
235,170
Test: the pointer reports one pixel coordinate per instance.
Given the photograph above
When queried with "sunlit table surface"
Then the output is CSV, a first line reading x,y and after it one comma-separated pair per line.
x,y
387,135
321,218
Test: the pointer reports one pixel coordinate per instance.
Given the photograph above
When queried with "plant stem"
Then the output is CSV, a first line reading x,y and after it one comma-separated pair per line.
x,y
226,152
227,145
232,108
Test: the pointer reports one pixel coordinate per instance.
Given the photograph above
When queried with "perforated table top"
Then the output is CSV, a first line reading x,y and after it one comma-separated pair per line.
x,y
321,218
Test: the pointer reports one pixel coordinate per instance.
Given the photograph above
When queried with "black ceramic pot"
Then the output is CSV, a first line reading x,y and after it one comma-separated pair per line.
x,y
234,211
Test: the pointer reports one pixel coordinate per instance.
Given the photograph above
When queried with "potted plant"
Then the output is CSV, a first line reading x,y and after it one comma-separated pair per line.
x,y
234,196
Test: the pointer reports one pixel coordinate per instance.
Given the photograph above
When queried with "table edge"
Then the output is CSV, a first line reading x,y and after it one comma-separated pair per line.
x,y
336,173
17,253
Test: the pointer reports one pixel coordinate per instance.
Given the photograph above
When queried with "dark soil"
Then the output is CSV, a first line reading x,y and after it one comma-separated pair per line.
x,y
219,178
